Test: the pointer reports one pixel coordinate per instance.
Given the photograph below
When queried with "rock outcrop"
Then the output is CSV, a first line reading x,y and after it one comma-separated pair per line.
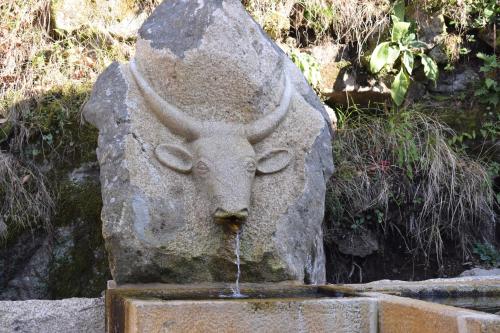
x,y
213,63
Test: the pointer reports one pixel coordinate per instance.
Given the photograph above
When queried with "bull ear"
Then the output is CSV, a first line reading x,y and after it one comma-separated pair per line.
x,y
174,157
273,161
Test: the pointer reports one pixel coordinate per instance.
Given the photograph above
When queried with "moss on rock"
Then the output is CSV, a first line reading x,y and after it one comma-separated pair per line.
x,y
79,267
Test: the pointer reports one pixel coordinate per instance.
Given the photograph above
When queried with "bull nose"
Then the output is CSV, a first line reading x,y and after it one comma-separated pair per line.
x,y
231,220
223,214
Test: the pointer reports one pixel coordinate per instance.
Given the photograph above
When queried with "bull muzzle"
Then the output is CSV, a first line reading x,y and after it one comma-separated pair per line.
x,y
232,220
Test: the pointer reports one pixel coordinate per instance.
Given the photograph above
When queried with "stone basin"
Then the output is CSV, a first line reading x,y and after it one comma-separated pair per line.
x,y
285,307
268,308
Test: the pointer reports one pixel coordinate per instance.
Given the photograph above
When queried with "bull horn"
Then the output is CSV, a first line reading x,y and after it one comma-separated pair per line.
x,y
177,121
261,128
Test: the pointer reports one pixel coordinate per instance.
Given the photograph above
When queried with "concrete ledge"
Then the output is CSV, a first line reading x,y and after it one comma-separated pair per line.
x,y
73,315
463,286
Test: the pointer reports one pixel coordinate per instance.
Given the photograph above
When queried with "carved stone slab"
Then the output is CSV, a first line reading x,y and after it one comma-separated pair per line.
x,y
210,126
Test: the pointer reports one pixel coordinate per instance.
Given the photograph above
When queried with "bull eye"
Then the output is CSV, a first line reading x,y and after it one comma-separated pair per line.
x,y
250,166
202,167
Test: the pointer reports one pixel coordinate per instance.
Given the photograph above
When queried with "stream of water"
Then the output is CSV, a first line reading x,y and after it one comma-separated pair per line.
x,y
236,290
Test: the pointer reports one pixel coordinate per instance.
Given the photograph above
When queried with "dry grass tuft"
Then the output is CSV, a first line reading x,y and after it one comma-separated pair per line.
x,y
36,65
34,59
26,199
352,23
356,22
402,167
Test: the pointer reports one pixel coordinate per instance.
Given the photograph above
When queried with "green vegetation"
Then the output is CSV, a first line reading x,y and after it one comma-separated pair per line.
x,y
484,12
397,173
308,65
489,91
315,22
399,53
467,14
82,270
488,254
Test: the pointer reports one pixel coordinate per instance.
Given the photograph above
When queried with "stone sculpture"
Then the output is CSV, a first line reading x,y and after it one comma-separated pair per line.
x,y
219,154
208,103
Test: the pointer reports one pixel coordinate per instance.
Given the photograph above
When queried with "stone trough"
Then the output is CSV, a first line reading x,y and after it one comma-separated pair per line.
x,y
268,308
284,307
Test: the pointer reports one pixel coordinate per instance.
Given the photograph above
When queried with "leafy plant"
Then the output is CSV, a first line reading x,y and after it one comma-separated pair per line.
x,y
308,66
485,12
487,253
489,90
399,54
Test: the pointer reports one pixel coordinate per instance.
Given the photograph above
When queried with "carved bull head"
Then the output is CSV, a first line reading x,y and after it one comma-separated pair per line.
x,y
220,155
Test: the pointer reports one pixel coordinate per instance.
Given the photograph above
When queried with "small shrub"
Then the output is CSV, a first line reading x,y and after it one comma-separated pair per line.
x,y
489,90
399,53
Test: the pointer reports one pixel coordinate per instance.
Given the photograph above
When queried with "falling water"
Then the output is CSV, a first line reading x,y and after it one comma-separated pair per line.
x,y
236,289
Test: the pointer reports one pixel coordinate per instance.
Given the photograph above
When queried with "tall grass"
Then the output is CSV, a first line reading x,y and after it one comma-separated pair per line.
x,y
401,166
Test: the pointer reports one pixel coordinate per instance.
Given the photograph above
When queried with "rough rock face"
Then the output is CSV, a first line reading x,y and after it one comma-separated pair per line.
x,y
24,268
69,315
210,60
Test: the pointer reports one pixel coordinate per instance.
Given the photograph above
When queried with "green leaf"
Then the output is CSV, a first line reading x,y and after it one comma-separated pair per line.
x,y
482,56
408,61
487,58
400,86
392,54
394,19
481,91
416,44
410,38
384,54
489,83
399,31
430,67
492,99
399,11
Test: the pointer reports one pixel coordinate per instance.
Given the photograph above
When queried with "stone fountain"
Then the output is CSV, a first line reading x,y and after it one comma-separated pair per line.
x,y
209,129
212,147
